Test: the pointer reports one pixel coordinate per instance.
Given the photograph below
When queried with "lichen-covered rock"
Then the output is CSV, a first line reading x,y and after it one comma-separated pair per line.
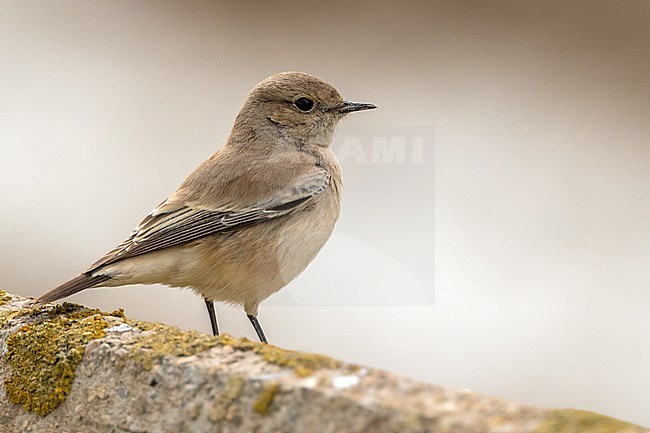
x,y
44,354
69,368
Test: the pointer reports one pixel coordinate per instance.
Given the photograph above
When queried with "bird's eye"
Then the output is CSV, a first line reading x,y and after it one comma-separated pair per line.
x,y
304,104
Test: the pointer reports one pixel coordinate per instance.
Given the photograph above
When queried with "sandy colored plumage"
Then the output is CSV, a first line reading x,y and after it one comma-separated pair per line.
x,y
253,215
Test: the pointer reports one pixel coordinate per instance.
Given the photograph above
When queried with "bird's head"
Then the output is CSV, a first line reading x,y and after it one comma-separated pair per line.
x,y
298,107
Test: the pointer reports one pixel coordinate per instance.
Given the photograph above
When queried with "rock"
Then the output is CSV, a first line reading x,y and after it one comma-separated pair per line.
x,y
71,368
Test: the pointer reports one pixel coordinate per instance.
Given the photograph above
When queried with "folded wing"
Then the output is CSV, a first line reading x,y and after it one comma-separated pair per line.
x,y
176,222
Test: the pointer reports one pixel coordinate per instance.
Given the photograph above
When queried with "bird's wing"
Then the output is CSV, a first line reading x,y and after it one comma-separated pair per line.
x,y
176,221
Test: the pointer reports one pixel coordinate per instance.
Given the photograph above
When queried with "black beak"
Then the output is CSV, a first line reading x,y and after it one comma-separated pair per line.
x,y
349,107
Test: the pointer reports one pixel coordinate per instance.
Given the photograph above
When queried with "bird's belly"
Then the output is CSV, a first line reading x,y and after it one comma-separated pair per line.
x,y
248,266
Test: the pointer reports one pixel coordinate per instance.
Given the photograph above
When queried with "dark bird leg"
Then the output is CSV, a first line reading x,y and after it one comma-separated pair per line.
x,y
213,316
258,328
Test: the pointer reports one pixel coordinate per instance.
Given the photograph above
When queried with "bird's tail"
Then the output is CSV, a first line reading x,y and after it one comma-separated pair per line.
x,y
73,286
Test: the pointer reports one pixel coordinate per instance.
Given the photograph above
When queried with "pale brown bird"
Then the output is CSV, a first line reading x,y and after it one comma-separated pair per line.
x,y
252,216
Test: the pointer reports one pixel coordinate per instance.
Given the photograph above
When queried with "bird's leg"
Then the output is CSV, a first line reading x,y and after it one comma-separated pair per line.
x,y
258,328
213,316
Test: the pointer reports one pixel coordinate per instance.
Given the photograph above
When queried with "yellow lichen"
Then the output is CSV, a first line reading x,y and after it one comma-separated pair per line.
x,y
222,403
160,341
4,297
118,313
571,421
140,324
7,315
45,353
264,400
303,364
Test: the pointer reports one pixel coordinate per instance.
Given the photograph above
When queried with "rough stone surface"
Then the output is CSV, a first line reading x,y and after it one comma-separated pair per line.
x,y
142,377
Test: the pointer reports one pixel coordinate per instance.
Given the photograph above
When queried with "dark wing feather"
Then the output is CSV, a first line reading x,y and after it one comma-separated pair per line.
x,y
71,287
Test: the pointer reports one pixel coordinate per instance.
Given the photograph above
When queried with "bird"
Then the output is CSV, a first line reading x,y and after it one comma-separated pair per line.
x,y
252,216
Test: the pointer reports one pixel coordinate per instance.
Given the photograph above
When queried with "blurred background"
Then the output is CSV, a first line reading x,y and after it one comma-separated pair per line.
x,y
495,231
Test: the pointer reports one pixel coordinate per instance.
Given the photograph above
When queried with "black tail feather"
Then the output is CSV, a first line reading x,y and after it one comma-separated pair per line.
x,y
71,287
